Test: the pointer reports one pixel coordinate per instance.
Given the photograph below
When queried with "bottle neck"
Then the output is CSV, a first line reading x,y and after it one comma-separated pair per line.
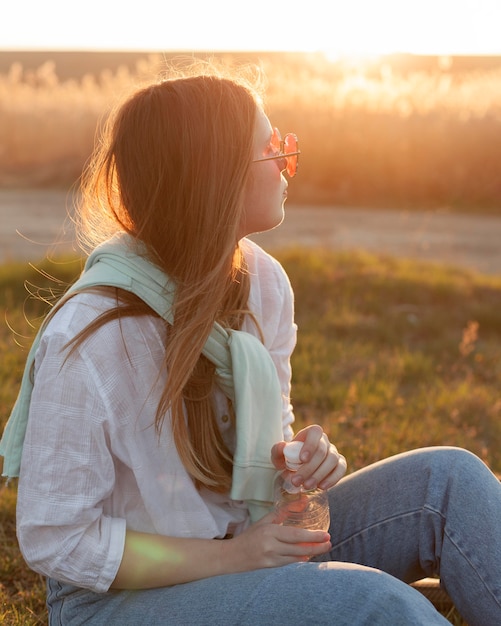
x,y
290,488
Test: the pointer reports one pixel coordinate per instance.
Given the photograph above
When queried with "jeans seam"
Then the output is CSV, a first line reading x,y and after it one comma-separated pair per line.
x,y
472,565
474,568
375,525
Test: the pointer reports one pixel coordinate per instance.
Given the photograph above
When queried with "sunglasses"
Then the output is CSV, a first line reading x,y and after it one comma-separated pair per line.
x,y
287,149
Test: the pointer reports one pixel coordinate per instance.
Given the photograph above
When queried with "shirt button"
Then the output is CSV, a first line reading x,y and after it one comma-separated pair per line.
x,y
225,418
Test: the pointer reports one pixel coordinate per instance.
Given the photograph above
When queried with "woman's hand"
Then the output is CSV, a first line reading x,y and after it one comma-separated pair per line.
x,y
265,544
322,465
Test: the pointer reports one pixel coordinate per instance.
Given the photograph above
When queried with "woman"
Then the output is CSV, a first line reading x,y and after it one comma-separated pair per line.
x,y
159,409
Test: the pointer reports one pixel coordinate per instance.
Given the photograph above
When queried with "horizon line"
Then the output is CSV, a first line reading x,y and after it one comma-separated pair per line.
x,y
331,53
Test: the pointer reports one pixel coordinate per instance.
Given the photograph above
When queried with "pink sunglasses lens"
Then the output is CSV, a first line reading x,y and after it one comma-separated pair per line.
x,y
290,146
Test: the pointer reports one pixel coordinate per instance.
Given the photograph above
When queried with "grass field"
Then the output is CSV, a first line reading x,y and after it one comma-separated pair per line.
x,y
395,132
392,355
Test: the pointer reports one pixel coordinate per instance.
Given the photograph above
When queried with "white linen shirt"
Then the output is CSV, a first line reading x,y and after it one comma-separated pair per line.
x,y
93,464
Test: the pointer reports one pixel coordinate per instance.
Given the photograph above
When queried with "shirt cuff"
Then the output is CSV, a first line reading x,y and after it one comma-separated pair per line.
x,y
117,532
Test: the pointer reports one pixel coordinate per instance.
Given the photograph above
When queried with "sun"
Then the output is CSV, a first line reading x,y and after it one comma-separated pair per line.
x,y
354,59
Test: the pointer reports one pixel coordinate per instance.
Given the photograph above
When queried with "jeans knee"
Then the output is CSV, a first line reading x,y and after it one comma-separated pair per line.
x,y
345,593
456,462
392,601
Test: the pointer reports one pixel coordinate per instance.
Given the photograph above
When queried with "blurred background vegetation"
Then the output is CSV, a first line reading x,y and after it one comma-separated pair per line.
x,y
397,131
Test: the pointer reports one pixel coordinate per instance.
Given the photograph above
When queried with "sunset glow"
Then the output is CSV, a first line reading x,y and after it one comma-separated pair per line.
x,y
337,27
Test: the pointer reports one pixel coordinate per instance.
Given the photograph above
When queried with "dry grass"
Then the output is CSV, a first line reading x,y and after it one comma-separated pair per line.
x,y
22,592
370,134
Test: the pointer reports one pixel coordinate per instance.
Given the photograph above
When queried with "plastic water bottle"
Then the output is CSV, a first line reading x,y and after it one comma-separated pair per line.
x,y
297,506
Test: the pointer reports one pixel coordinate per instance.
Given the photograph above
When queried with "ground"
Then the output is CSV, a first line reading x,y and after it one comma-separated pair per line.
x,y
35,222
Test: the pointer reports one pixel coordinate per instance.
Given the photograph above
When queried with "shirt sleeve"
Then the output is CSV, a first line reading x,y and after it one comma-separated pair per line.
x,y
67,472
272,301
281,351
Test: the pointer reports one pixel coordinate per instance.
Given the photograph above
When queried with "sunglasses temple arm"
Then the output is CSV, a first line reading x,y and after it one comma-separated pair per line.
x,y
278,156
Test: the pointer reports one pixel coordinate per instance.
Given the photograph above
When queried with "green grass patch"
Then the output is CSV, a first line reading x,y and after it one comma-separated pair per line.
x,y
395,354
391,355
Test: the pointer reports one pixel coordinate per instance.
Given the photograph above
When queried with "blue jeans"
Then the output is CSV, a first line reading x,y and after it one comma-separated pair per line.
x,y
430,511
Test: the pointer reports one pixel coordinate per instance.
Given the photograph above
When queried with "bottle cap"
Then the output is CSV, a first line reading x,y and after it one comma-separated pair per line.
x,y
292,450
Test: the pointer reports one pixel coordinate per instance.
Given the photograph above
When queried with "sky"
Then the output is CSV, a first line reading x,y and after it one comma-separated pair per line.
x,y
335,27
